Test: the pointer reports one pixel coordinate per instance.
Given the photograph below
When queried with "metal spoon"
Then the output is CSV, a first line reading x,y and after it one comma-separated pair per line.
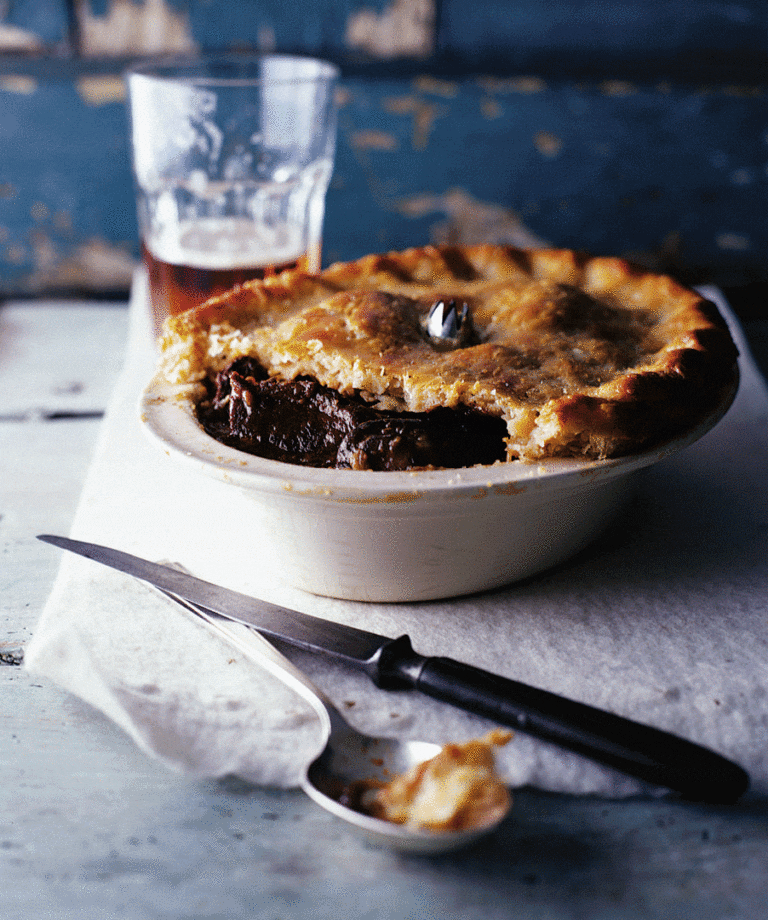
x,y
348,755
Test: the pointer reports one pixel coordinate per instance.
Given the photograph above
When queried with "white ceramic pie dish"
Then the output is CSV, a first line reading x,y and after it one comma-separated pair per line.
x,y
406,536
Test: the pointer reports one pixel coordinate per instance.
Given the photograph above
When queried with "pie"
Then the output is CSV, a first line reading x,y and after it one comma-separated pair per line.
x,y
550,353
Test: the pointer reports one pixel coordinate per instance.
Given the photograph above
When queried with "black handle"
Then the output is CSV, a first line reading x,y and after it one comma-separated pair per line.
x,y
638,750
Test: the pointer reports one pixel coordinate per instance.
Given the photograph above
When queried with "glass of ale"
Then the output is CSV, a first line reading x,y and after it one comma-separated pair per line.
x,y
231,158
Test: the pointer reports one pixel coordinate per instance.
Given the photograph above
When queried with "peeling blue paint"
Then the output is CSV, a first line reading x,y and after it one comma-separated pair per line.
x,y
72,159
48,20
316,28
644,36
671,170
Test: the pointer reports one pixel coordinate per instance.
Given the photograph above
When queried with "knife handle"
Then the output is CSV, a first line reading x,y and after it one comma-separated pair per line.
x,y
646,753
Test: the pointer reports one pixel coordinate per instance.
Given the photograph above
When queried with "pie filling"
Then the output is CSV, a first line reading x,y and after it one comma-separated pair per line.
x,y
300,421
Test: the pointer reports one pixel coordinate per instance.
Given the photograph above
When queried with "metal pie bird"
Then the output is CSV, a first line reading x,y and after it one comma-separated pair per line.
x,y
449,324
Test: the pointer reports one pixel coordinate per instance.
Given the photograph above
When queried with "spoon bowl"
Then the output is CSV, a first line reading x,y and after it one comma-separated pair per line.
x,y
349,756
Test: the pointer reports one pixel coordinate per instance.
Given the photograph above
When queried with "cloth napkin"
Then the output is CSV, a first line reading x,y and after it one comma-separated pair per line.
x,y
664,619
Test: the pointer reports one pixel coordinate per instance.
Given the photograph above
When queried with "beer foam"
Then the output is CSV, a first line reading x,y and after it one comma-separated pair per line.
x,y
227,243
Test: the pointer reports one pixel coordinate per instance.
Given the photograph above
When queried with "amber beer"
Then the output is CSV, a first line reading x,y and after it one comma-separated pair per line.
x,y
181,277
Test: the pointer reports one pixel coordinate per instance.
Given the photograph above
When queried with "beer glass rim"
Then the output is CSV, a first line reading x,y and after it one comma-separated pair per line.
x,y
234,70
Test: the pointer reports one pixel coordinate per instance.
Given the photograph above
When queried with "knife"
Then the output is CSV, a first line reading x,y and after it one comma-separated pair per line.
x,y
641,751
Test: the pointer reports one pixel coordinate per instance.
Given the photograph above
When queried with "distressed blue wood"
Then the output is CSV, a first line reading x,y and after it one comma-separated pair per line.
x,y
669,170
627,169
643,36
309,27
312,28
630,169
64,180
673,175
47,20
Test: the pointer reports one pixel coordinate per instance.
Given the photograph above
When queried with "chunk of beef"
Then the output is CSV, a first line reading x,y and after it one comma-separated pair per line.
x,y
302,422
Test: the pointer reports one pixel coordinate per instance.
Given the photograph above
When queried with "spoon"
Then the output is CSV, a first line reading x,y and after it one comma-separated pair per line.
x,y
348,756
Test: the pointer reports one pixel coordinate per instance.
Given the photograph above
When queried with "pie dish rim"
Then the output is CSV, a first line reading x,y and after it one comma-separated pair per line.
x,y
168,418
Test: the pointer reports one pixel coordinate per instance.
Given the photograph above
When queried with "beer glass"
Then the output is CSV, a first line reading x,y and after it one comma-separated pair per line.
x,y
231,158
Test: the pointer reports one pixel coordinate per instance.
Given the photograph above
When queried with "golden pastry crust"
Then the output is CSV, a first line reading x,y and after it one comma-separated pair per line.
x,y
581,356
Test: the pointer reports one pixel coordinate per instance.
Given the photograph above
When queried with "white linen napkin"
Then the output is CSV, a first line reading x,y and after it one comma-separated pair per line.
x,y
663,620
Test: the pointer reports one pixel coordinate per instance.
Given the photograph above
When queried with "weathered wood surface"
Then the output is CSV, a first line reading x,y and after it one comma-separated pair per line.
x,y
632,128
90,827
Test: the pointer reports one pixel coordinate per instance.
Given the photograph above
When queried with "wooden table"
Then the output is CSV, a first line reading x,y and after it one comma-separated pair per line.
x,y
90,827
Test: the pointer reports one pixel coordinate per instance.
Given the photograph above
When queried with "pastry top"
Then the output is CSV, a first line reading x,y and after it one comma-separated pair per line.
x,y
581,356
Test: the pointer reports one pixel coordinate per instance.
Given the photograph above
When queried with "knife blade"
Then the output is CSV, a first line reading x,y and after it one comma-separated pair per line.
x,y
641,751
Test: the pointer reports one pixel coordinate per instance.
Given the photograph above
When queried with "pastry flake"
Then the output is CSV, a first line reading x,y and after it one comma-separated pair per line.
x,y
456,790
